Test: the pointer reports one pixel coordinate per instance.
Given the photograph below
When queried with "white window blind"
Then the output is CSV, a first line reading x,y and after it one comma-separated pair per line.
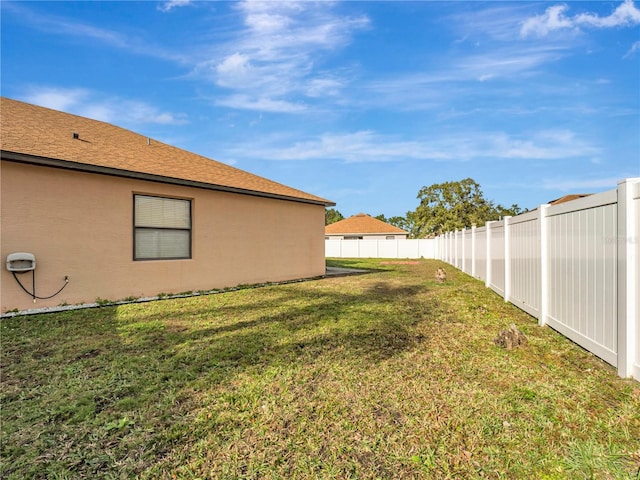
x,y
162,212
162,228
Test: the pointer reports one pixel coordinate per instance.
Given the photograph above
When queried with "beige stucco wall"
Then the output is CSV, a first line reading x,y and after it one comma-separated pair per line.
x,y
81,225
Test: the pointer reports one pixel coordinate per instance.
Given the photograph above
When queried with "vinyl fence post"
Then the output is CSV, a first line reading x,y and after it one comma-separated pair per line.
x,y
462,255
443,246
507,258
455,248
544,264
446,247
487,282
461,249
452,248
627,277
463,242
473,251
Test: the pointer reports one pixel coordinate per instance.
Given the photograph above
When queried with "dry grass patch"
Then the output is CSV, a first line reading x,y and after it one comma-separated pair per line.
x,y
383,375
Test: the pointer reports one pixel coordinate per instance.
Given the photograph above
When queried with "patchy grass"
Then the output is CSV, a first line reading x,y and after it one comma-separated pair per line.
x,y
384,375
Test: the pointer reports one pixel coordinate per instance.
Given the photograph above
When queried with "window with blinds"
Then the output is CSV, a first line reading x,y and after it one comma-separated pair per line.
x,y
162,228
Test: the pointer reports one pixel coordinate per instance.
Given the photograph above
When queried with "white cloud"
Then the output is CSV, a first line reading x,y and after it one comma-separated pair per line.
x,y
625,15
63,26
322,87
142,112
632,51
64,99
275,58
461,78
171,4
272,63
542,145
97,106
71,28
489,22
234,69
554,18
266,22
262,104
369,146
506,62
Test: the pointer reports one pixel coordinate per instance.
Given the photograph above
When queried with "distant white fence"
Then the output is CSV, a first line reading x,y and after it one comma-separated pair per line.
x,y
574,266
399,248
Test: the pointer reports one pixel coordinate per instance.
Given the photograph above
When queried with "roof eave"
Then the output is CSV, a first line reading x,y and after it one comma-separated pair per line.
x,y
84,167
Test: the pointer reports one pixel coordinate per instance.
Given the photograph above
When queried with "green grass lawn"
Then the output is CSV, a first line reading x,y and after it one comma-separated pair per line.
x,y
384,375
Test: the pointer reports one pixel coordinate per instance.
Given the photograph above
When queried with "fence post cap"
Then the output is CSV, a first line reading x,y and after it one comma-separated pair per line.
x,y
629,180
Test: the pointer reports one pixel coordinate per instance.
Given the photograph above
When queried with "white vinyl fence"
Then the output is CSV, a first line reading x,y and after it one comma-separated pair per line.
x,y
399,248
574,266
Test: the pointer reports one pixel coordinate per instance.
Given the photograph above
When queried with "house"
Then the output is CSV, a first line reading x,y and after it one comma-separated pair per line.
x,y
108,213
568,198
363,227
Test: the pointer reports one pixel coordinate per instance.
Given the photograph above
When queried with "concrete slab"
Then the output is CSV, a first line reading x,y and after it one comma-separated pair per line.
x,y
341,272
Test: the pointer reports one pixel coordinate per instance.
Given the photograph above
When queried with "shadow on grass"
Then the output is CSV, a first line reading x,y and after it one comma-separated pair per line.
x,y
282,326
73,381
372,265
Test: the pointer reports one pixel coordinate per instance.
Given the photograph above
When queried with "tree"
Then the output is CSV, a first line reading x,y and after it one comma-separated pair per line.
x,y
331,215
410,225
396,221
449,206
400,222
512,211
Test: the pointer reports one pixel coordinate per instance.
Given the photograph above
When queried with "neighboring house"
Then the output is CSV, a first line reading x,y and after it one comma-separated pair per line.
x,y
363,227
122,215
568,198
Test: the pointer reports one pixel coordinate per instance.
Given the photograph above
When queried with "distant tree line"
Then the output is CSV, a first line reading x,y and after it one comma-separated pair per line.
x,y
444,207
331,215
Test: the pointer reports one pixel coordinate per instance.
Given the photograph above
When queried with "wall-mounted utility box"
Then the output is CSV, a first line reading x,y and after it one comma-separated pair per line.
x,y
21,262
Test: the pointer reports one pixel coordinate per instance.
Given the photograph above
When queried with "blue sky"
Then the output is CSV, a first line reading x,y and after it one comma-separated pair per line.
x,y
363,103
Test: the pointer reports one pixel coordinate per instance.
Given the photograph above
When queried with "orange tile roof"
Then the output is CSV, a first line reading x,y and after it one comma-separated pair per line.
x,y
31,133
361,223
